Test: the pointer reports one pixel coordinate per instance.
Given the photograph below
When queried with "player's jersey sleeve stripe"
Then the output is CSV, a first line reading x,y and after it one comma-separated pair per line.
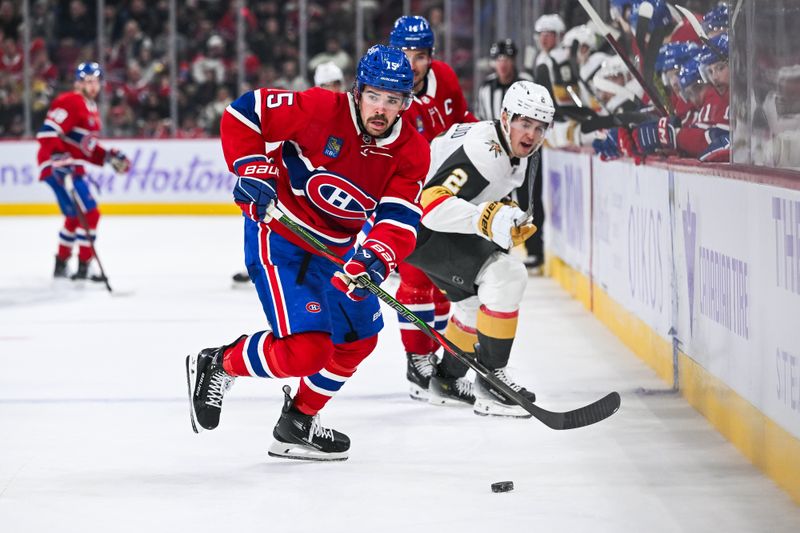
x,y
398,212
52,125
400,201
407,227
244,109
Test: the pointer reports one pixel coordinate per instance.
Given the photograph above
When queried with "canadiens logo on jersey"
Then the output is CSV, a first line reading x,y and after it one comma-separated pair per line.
x,y
337,197
333,146
495,148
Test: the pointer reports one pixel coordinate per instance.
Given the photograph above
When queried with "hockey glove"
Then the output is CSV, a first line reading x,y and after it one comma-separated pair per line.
x,y
118,161
653,135
719,150
498,222
607,148
371,262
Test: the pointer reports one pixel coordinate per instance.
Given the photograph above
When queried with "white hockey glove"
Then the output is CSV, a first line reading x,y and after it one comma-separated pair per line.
x,y
506,225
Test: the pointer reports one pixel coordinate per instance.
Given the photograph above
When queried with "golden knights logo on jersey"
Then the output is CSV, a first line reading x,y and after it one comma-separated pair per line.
x,y
494,148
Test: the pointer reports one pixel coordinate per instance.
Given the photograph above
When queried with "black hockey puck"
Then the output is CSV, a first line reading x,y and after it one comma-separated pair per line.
x,y
503,486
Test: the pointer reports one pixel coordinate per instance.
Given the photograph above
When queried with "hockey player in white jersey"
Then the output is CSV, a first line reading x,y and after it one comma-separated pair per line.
x,y
467,227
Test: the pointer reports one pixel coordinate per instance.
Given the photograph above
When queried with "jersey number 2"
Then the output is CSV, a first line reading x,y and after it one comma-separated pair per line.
x,y
278,99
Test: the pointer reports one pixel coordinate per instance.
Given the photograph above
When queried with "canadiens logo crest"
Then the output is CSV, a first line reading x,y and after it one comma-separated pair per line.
x,y
333,146
495,148
336,196
313,307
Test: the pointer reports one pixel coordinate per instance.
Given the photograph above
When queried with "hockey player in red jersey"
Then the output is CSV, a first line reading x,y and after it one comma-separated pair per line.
x,y
438,103
341,158
67,142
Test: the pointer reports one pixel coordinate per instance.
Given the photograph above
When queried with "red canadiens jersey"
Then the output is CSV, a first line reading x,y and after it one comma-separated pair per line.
x,y
714,113
330,177
70,127
440,104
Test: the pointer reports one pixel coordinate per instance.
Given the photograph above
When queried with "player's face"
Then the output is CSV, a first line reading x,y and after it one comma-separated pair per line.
x,y
420,63
695,93
547,40
89,86
720,76
526,135
379,109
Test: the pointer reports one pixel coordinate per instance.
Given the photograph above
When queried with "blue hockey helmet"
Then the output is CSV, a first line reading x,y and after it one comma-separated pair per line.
x,y
387,68
716,50
618,7
690,74
716,19
660,16
672,55
89,68
411,32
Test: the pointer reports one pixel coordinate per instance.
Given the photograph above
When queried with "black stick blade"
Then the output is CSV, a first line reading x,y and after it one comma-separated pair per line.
x,y
592,413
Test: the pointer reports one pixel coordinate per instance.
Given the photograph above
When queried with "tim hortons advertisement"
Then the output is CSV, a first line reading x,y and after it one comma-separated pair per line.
x,y
738,284
162,171
566,194
632,251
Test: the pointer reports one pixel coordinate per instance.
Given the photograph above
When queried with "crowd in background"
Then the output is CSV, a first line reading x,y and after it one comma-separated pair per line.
x,y
586,78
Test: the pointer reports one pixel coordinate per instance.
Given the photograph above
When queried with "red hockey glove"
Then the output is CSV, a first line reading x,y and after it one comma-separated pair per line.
x,y
372,262
118,161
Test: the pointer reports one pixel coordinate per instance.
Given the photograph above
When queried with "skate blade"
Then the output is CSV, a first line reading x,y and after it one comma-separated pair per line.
x,y
418,393
191,383
286,450
487,407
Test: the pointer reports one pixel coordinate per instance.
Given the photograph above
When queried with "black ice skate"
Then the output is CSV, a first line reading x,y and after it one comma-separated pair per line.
x,y
60,270
418,373
490,401
208,382
450,391
241,279
300,436
82,274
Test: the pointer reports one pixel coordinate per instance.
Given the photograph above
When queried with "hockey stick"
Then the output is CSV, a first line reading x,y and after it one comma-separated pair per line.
x,y
698,29
70,186
530,175
583,416
609,36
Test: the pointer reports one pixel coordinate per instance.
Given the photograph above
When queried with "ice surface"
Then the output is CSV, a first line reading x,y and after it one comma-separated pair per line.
x,y
95,433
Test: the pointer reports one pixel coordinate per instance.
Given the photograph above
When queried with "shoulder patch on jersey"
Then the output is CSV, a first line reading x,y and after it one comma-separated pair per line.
x,y
333,146
494,148
334,195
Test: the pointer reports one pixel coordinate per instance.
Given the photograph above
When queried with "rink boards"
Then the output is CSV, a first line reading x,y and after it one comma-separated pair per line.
x,y
699,273
167,176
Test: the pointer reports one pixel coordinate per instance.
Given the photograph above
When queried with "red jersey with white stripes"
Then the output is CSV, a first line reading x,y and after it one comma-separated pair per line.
x,y
70,127
439,104
714,113
329,176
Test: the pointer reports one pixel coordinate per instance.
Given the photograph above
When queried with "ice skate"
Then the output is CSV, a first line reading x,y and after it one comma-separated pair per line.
x,y
208,382
241,280
301,436
418,373
450,391
491,402
60,271
83,274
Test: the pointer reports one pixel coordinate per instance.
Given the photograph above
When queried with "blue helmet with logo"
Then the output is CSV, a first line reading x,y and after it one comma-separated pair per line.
x,y
716,50
387,68
89,68
716,19
690,74
672,55
411,32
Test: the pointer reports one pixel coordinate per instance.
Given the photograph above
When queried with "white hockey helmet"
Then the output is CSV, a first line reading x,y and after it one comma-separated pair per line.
x,y
549,23
529,100
584,34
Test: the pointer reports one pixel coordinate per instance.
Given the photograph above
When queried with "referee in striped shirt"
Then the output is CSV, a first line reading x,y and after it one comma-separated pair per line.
x,y
492,90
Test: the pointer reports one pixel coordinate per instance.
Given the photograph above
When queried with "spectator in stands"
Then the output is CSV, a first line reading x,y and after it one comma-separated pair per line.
x,y
10,19
11,59
42,20
78,25
333,53
329,76
290,78
213,112
212,63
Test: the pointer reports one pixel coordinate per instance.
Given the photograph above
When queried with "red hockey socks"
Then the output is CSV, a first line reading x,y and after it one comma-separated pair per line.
x,y
264,355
